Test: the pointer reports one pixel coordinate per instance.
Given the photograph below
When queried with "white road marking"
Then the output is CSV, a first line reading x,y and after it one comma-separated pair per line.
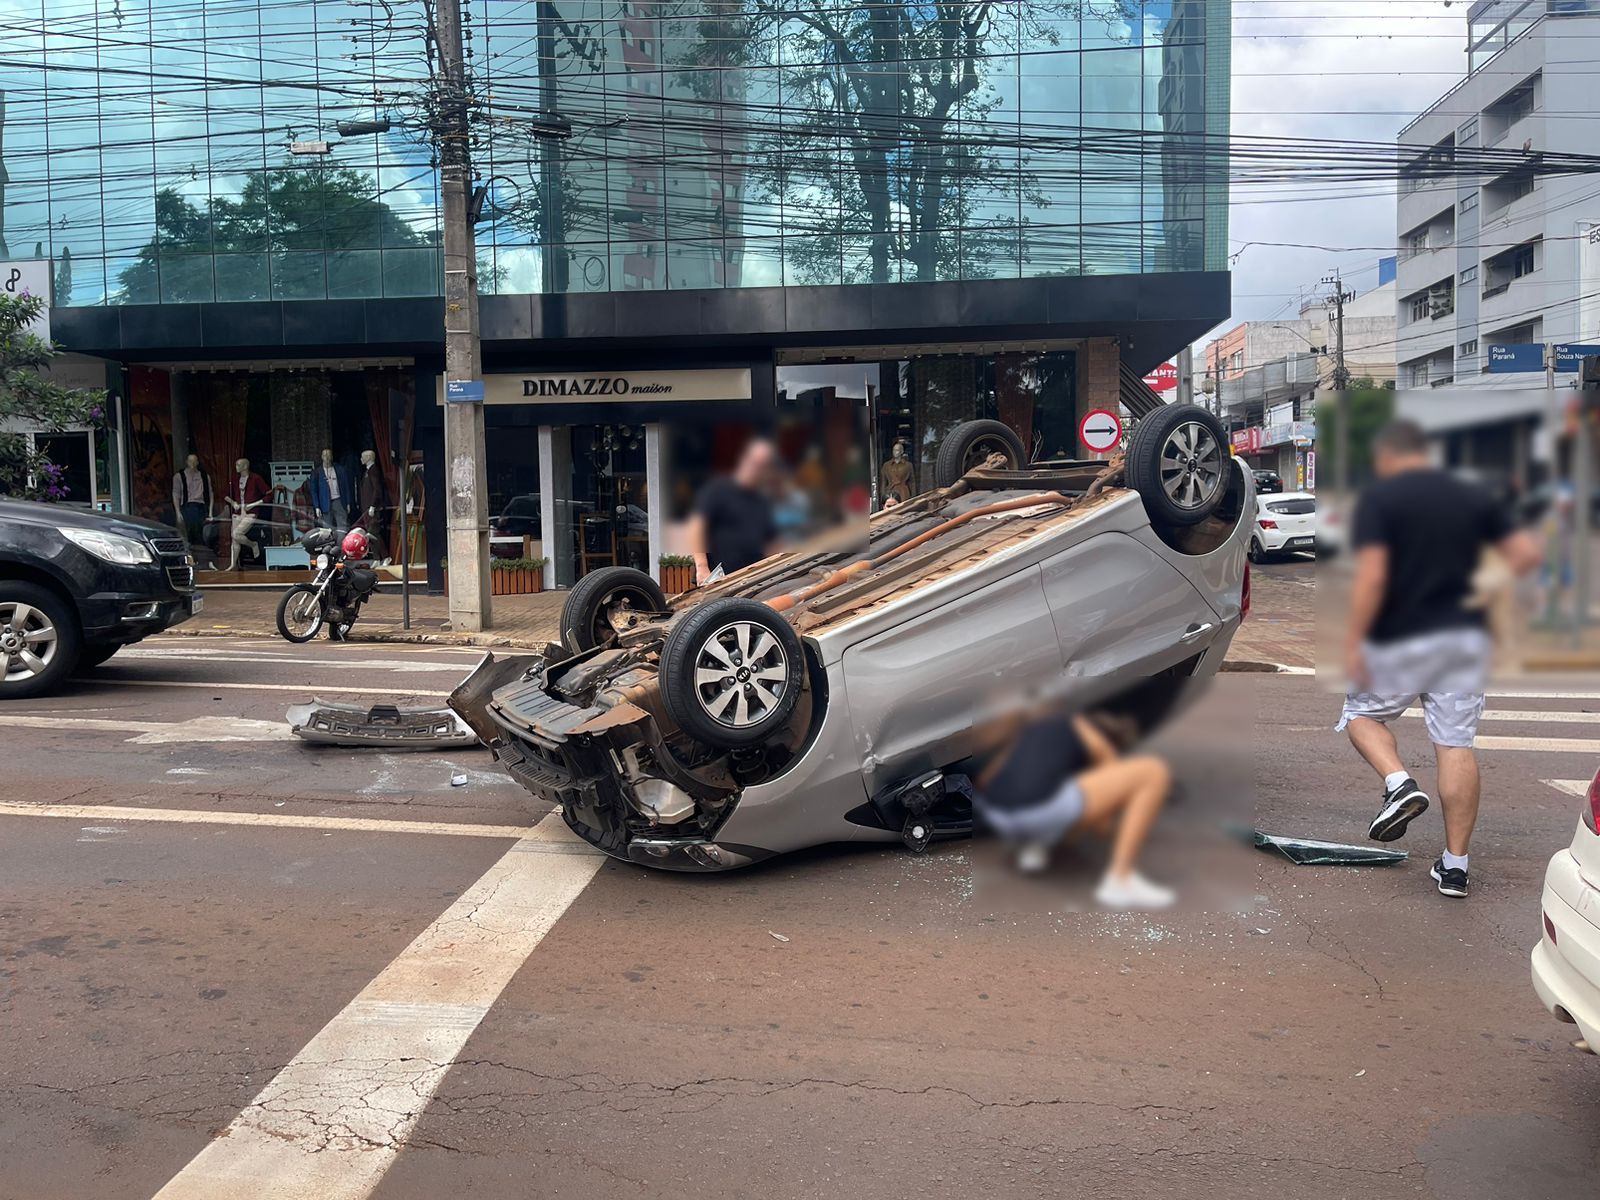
x,y
1554,716
1572,787
331,1123
273,820
302,689
1526,694
160,733
353,664
1542,745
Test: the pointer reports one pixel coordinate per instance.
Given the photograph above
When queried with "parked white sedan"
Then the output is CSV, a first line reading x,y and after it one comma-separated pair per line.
x,y
1286,523
1566,962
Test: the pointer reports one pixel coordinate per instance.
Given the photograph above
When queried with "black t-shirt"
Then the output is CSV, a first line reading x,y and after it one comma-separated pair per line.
x,y
739,524
1045,756
1435,527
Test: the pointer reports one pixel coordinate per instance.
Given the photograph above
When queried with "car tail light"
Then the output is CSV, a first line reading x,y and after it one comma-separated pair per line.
x,y
1550,928
1591,811
1266,524
1244,607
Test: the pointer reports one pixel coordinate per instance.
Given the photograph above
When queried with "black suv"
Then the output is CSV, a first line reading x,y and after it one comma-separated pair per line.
x,y
76,586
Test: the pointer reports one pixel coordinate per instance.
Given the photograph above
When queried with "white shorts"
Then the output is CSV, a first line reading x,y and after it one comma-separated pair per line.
x,y
1446,671
1047,821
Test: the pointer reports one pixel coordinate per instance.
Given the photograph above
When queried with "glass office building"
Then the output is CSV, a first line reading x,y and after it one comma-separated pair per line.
x,y
915,212
185,151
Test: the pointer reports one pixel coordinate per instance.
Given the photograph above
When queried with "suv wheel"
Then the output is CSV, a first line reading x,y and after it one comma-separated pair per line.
x,y
39,640
606,602
969,445
1178,462
731,672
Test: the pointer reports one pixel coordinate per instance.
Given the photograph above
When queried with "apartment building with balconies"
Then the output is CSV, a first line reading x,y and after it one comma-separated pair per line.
x,y
1497,259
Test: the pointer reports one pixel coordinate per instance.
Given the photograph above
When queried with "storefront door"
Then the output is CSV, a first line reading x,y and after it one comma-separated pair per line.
x,y
597,486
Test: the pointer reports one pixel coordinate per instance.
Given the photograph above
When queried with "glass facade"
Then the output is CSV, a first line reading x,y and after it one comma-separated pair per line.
x,y
164,151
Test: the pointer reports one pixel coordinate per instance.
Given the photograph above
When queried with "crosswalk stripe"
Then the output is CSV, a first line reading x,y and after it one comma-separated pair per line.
x,y
1572,787
1540,745
332,1122
1549,716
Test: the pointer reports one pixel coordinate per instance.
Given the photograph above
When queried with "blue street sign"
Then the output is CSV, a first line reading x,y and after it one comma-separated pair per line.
x,y
461,391
1504,360
1570,358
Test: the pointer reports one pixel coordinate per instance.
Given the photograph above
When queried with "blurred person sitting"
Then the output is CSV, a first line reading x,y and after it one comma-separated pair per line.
x,y
733,524
1415,633
1058,775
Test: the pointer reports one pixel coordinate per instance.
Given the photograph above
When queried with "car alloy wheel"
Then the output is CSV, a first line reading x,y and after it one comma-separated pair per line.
x,y
1192,463
741,675
29,640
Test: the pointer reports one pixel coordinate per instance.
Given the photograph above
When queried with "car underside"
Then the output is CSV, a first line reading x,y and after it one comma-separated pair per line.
x,y
812,697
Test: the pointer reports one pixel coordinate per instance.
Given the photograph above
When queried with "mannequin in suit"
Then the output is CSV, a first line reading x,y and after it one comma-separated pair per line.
x,y
375,504
331,493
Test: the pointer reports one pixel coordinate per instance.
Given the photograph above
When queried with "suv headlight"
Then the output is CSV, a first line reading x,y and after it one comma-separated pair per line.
x,y
111,547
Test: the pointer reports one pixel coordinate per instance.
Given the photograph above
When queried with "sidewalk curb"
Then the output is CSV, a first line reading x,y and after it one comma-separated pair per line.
x,y
1242,666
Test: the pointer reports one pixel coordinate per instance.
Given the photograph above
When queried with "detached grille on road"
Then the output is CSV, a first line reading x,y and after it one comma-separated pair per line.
x,y
170,546
182,577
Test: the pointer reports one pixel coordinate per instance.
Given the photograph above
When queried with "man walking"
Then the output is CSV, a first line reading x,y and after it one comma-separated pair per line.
x,y
1418,535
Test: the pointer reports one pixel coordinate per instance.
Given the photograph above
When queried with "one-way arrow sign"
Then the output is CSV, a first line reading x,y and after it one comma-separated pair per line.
x,y
1100,430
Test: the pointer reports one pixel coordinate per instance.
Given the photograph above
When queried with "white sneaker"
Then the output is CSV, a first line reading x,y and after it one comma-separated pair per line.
x,y
1133,891
1033,857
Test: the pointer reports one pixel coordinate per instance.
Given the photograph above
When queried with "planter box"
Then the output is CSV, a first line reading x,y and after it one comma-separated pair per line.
x,y
509,583
677,580
520,581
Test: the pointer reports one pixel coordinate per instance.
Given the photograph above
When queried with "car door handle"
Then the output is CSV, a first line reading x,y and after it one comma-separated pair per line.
x,y
1195,631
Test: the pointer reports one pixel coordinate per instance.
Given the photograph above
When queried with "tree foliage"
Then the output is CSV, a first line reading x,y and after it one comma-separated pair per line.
x,y
1371,408
283,213
30,400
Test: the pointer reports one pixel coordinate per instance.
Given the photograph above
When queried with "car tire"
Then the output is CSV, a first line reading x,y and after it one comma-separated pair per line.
x,y
1257,554
764,661
967,446
585,616
38,621
1178,462
299,636
93,656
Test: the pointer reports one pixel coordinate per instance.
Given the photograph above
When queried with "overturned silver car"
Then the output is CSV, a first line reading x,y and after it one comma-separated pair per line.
x,y
820,696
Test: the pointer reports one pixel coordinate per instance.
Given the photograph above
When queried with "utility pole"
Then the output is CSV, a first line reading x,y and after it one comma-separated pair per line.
x,y
466,479
1341,397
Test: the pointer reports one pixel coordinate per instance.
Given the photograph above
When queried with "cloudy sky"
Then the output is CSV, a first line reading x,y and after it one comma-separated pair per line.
x,y
1348,69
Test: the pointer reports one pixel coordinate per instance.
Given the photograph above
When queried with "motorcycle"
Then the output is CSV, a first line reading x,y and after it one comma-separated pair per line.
x,y
344,581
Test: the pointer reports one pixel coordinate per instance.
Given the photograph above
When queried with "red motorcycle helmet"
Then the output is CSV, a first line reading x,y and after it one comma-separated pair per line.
x,y
354,544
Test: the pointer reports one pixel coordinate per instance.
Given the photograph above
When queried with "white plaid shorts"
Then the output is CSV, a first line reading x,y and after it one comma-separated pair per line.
x,y
1446,671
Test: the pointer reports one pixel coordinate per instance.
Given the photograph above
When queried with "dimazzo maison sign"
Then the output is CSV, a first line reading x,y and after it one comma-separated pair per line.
x,y
717,383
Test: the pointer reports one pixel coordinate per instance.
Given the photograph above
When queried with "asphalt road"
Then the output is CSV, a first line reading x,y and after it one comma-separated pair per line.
x,y
409,1008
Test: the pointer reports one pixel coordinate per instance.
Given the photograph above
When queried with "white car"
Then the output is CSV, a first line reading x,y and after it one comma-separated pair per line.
x,y
1286,523
1566,962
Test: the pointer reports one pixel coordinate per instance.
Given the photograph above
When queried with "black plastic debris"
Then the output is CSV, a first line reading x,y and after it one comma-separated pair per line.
x,y
386,725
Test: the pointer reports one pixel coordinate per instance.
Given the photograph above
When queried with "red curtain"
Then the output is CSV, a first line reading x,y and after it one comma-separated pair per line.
x,y
150,442
377,385
216,426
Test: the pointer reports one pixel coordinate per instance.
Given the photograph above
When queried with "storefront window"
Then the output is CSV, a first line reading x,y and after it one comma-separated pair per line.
x,y
280,421
601,500
915,402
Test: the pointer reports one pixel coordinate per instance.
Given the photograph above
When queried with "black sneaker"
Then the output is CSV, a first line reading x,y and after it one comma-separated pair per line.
x,y
1452,881
1403,805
